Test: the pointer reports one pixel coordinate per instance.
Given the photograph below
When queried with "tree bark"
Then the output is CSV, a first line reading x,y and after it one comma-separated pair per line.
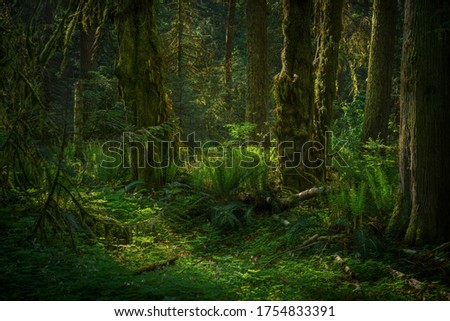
x,y
87,51
78,118
326,64
180,53
229,57
257,67
381,66
87,64
294,94
141,79
423,208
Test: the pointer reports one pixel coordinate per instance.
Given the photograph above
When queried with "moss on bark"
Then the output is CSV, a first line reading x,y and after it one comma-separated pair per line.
x,y
293,91
141,79
326,64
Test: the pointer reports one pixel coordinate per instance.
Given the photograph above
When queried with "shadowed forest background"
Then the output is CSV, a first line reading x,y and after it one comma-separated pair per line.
x,y
225,150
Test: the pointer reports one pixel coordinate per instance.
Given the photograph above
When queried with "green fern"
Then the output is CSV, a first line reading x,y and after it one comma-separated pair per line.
x,y
357,199
366,244
229,187
231,215
380,189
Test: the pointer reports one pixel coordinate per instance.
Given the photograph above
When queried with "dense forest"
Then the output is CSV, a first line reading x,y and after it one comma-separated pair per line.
x,y
225,150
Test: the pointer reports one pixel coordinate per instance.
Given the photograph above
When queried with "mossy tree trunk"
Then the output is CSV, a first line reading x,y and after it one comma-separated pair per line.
x,y
294,94
257,67
87,64
140,75
423,211
78,118
180,51
326,63
381,66
229,58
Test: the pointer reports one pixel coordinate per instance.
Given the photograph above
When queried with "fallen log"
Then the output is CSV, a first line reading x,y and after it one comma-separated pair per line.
x,y
293,198
312,192
347,270
156,265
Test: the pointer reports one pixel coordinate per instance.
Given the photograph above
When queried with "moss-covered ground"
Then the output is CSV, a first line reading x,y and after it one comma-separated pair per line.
x,y
168,258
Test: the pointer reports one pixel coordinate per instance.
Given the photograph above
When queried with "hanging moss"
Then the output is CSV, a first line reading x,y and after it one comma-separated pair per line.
x,y
326,64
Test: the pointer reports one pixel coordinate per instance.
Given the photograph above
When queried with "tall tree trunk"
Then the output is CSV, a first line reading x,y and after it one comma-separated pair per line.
x,y
229,57
78,118
180,31
141,80
423,213
294,94
257,67
87,64
381,66
326,64
354,77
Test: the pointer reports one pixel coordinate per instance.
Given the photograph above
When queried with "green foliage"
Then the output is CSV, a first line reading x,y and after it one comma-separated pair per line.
x,y
349,120
93,171
364,194
209,265
354,55
230,215
106,116
230,186
225,184
106,238
367,244
238,171
367,187
241,132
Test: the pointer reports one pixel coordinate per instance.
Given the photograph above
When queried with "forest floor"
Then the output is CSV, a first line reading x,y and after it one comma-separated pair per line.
x,y
172,259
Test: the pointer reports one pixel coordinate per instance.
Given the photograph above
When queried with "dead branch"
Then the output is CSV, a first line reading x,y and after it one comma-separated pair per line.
x,y
414,283
428,255
310,240
303,196
313,240
347,270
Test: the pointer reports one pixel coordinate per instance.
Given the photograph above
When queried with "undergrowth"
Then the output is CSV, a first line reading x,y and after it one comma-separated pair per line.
x,y
216,231
262,261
